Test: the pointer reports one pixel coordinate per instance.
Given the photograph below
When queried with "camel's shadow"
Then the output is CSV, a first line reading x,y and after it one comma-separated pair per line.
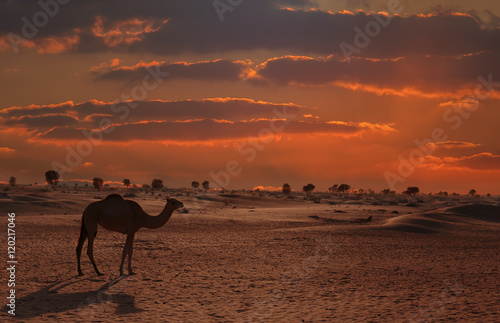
x,y
89,304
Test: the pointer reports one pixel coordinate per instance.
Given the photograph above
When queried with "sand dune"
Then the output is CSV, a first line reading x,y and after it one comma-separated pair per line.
x,y
483,212
446,219
248,258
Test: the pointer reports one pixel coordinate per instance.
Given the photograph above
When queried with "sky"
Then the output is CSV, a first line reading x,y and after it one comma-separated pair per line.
x,y
247,93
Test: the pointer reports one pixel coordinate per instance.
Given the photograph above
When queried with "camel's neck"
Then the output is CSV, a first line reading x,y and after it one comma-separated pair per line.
x,y
154,222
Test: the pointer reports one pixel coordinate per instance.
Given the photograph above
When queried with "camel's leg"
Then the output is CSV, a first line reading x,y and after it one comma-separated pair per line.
x,y
81,241
90,251
130,250
126,248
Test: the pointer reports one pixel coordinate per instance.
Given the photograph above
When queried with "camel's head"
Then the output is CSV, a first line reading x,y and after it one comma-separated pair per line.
x,y
176,204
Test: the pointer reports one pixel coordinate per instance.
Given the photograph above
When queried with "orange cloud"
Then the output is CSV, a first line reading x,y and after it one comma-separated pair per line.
x,y
221,70
35,109
484,161
106,65
125,32
231,109
427,77
56,45
453,145
212,129
404,92
6,150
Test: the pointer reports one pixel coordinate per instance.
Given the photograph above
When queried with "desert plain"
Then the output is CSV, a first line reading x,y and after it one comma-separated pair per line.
x,y
246,256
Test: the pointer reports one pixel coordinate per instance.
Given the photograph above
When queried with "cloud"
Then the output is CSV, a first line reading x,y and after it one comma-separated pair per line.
x,y
42,121
454,149
6,150
323,32
430,76
89,114
186,120
106,65
125,32
217,70
404,76
451,145
56,44
211,129
481,161
175,27
120,23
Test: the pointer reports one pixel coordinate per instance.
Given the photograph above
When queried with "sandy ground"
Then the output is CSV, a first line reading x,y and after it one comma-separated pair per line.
x,y
244,258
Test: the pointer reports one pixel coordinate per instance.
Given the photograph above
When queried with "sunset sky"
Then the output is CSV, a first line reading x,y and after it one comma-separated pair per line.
x,y
242,93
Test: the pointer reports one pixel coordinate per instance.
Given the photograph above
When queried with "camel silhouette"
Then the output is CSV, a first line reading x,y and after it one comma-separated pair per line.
x,y
125,216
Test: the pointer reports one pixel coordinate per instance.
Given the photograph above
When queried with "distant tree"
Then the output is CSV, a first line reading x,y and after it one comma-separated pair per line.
x,y
145,187
333,189
344,188
195,185
126,182
386,191
305,188
308,189
98,182
488,195
12,181
472,192
413,190
442,194
52,178
76,185
206,185
157,184
86,185
286,189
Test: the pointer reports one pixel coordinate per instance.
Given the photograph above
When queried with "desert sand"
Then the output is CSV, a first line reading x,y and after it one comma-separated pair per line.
x,y
248,257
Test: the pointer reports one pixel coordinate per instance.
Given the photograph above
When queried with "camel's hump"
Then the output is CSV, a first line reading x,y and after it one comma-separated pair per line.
x,y
113,196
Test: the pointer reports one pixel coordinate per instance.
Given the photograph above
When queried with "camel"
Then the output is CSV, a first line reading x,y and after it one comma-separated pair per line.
x,y
117,214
